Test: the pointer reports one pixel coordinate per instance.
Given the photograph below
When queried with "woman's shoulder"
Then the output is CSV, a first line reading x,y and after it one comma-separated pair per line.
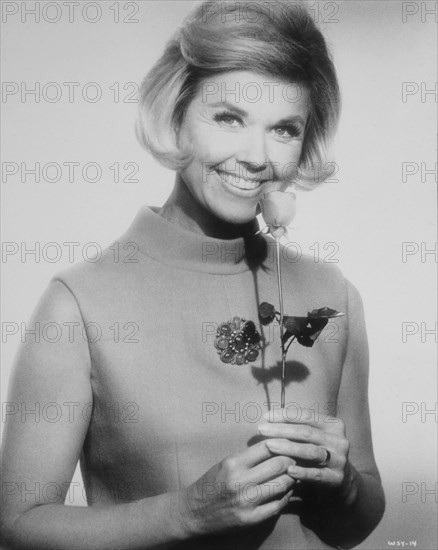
x,y
311,269
115,265
105,276
318,282
105,267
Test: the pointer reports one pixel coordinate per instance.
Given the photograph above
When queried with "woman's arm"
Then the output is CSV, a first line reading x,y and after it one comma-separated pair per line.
x,y
343,496
146,523
41,448
349,515
347,518
40,456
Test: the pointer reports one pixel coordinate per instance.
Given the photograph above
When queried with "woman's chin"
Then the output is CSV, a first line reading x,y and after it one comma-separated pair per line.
x,y
237,216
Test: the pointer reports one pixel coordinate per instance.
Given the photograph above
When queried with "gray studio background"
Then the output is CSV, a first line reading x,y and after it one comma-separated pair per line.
x,y
383,197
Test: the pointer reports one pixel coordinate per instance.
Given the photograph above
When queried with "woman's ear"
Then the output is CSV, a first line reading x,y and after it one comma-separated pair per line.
x,y
176,129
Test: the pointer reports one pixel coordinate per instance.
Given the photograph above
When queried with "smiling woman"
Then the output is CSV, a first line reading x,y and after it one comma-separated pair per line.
x,y
278,41
239,107
240,149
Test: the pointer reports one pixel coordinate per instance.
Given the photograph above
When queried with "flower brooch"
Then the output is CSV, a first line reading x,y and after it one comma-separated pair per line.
x,y
237,341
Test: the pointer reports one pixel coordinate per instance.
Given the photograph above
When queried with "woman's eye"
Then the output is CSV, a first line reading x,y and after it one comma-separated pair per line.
x,y
288,132
227,119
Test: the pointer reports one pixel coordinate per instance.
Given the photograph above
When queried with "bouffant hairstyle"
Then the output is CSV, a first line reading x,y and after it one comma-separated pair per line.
x,y
277,39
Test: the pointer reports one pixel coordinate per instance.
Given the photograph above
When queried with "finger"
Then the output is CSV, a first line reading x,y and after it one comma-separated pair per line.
x,y
251,456
297,432
270,509
276,488
253,494
302,451
269,469
315,475
294,414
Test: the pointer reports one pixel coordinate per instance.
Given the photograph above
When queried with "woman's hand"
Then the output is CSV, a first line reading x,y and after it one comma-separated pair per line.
x,y
319,444
242,490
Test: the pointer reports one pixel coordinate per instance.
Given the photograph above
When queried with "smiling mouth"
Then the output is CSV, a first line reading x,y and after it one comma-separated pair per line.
x,y
245,184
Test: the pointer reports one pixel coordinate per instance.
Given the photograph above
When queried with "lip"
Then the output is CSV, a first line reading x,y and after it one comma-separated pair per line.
x,y
229,179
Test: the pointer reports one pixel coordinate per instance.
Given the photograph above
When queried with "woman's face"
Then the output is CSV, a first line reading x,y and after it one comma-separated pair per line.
x,y
246,131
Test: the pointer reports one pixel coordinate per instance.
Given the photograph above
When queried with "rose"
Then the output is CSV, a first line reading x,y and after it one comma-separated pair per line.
x,y
278,210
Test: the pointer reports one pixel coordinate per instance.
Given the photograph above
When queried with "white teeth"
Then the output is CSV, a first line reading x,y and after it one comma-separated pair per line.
x,y
240,183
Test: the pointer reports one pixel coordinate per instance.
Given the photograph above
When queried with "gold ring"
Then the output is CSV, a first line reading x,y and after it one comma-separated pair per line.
x,y
324,463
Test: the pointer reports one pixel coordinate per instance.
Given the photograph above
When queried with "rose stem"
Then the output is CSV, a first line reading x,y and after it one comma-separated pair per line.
x,y
290,342
283,351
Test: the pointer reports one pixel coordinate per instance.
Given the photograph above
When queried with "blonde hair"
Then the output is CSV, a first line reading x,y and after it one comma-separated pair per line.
x,y
277,39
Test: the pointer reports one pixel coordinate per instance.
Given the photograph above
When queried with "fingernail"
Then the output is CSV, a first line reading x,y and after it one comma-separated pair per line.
x,y
292,470
264,428
306,415
273,446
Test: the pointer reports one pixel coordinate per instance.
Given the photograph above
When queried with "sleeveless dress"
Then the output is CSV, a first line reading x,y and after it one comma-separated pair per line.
x,y
166,408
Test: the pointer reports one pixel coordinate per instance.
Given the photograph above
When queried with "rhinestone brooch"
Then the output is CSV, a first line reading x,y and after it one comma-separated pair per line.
x,y
237,341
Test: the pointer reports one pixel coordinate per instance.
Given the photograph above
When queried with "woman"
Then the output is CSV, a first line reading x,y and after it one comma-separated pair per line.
x,y
173,454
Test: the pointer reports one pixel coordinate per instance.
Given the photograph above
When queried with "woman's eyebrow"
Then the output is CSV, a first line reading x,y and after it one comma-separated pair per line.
x,y
230,106
291,119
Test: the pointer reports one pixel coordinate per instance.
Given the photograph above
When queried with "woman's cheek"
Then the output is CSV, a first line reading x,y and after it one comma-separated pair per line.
x,y
216,147
285,160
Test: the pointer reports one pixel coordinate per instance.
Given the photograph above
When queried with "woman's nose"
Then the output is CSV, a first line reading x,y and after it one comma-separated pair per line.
x,y
252,152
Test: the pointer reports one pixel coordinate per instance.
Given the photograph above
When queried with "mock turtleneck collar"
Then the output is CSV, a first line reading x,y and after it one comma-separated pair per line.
x,y
174,245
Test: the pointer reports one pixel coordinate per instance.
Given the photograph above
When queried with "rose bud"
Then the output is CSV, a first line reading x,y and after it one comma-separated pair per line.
x,y
278,211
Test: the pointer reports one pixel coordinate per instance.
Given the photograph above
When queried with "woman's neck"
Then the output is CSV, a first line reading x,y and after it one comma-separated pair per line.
x,y
183,209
